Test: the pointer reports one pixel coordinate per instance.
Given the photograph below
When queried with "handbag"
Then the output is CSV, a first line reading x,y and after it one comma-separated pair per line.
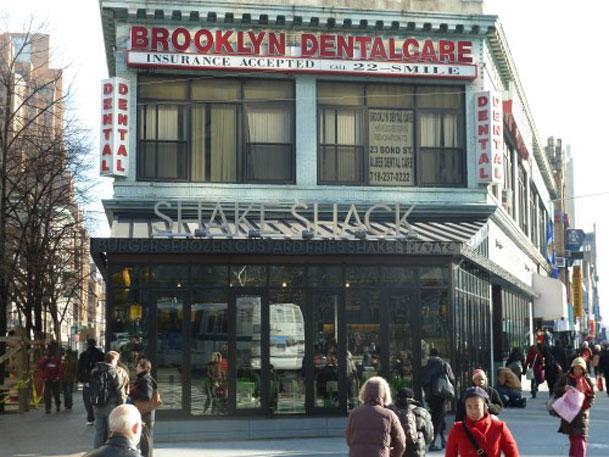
x,y
530,371
443,388
472,440
550,405
570,404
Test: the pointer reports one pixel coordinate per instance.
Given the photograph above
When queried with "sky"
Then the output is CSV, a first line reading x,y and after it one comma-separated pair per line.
x,y
558,47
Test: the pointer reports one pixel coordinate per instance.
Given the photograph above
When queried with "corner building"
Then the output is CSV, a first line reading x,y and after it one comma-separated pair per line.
x,y
309,195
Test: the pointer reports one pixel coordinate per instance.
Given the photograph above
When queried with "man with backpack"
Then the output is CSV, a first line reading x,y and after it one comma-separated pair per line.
x,y
106,394
416,422
86,363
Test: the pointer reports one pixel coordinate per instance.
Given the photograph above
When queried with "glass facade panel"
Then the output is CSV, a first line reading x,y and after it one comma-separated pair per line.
x,y
248,351
209,352
362,276
324,315
209,275
325,276
434,322
169,353
287,351
247,276
402,322
287,276
363,316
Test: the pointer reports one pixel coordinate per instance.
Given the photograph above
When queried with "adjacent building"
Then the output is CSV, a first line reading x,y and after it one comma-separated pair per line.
x,y
309,195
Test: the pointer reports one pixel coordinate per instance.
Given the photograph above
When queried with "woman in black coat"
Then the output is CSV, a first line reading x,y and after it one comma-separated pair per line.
x,y
142,390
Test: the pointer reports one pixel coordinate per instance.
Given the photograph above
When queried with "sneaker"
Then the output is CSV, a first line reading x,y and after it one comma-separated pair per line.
x,y
90,422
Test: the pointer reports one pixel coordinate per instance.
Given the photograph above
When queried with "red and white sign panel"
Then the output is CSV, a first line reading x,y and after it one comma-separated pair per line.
x,y
182,48
114,128
489,137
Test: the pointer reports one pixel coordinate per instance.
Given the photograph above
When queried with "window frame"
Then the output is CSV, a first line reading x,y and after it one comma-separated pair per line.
x,y
240,130
416,111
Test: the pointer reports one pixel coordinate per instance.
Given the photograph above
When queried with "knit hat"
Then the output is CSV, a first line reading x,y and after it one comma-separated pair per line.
x,y
579,362
478,372
475,392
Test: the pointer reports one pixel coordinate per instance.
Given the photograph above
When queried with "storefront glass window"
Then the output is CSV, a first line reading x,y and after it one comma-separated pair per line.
x,y
363,340
172,276
169,349
434,322
324,312
362,276
402,320
209,275
247,276
287,276
248,351
325,276
287,350
209,352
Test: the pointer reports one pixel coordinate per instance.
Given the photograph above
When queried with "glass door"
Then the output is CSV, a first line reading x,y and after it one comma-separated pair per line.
x,y
248,351
401,337
326,352
169,357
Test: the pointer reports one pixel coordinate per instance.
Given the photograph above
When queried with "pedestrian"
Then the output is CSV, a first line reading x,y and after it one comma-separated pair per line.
x,y
596,358
406,407
535,361
69,377
509,388
52,373
373,430
436,367
142,391
86,363
577,430
586,353
603,365
125,425
123,379
105,394
516,361
479,379
480,431
553,369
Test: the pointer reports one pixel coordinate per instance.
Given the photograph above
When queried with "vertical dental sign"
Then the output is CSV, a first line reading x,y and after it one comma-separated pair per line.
x,y
114,128
489,137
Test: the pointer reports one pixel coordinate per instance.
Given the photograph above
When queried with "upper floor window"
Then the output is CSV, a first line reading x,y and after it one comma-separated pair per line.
x,y
216,130
392,135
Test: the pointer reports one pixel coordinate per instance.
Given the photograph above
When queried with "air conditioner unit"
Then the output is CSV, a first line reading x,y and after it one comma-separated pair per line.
x,y
507,198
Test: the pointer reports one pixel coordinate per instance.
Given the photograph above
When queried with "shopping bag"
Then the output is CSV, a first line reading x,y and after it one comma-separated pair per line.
x,y
569,405
530,374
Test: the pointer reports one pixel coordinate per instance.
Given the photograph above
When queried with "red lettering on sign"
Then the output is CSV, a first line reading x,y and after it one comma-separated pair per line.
x,y
180,39
378,49
464,50
123,88
107,133
428,53
122,104
123,133
121,151
119,165
160,36
139,38
308,45
107,119
122,120
413,55
107,103
483,115
344,46
482,101
223,42
483,130
483,174
106,151
393,54
256,41
363,42
209,41
447,51
277,44
483,143
104,165
326,45
108,88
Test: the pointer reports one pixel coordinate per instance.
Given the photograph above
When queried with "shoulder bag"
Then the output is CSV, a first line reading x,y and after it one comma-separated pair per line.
x,y
147,406
472,440
531,371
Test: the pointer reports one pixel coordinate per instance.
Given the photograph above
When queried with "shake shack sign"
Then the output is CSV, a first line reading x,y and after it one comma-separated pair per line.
x,y
262,50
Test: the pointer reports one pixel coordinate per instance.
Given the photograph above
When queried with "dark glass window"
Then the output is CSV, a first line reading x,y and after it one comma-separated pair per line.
x,y
222,130
367,135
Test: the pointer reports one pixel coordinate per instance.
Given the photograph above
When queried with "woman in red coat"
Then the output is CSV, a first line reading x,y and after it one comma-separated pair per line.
x,y
488,432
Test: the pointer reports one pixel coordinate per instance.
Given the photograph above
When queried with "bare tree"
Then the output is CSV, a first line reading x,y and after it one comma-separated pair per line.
x,y
44,158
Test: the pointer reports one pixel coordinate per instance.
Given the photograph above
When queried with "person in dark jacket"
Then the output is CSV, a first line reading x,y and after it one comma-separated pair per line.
x,y
435,368
143,389
577,377
479,379
373,430
603,365
423,424
52,369
86,363
114,396
125,425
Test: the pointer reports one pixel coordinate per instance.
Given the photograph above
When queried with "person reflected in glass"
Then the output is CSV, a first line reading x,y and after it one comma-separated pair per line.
x,y
214,380
328,380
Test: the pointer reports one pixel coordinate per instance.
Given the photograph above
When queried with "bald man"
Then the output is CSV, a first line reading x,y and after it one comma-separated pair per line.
x,y
125,423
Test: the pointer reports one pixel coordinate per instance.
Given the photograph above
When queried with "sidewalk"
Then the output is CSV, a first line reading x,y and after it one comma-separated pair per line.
x,y
65,434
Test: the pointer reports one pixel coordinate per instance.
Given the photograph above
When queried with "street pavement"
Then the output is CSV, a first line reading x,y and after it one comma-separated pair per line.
x,y
65,434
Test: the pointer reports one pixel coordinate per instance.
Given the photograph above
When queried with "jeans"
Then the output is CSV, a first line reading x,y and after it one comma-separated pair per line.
x,y
146,441
68,386
578,446
508,396
101,424
86,398
51,390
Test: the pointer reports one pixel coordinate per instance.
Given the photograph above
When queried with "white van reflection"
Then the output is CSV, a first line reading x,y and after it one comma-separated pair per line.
x,y
287,345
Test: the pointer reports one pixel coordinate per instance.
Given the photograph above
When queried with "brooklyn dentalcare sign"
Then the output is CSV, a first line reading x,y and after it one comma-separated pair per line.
x,y
215,49
114,127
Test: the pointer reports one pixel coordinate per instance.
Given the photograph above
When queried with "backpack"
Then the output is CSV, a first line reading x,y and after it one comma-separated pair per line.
x,y
409,424
100,387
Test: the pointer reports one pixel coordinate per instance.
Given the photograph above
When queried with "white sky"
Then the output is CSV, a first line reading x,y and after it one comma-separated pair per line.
x,y
558,46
